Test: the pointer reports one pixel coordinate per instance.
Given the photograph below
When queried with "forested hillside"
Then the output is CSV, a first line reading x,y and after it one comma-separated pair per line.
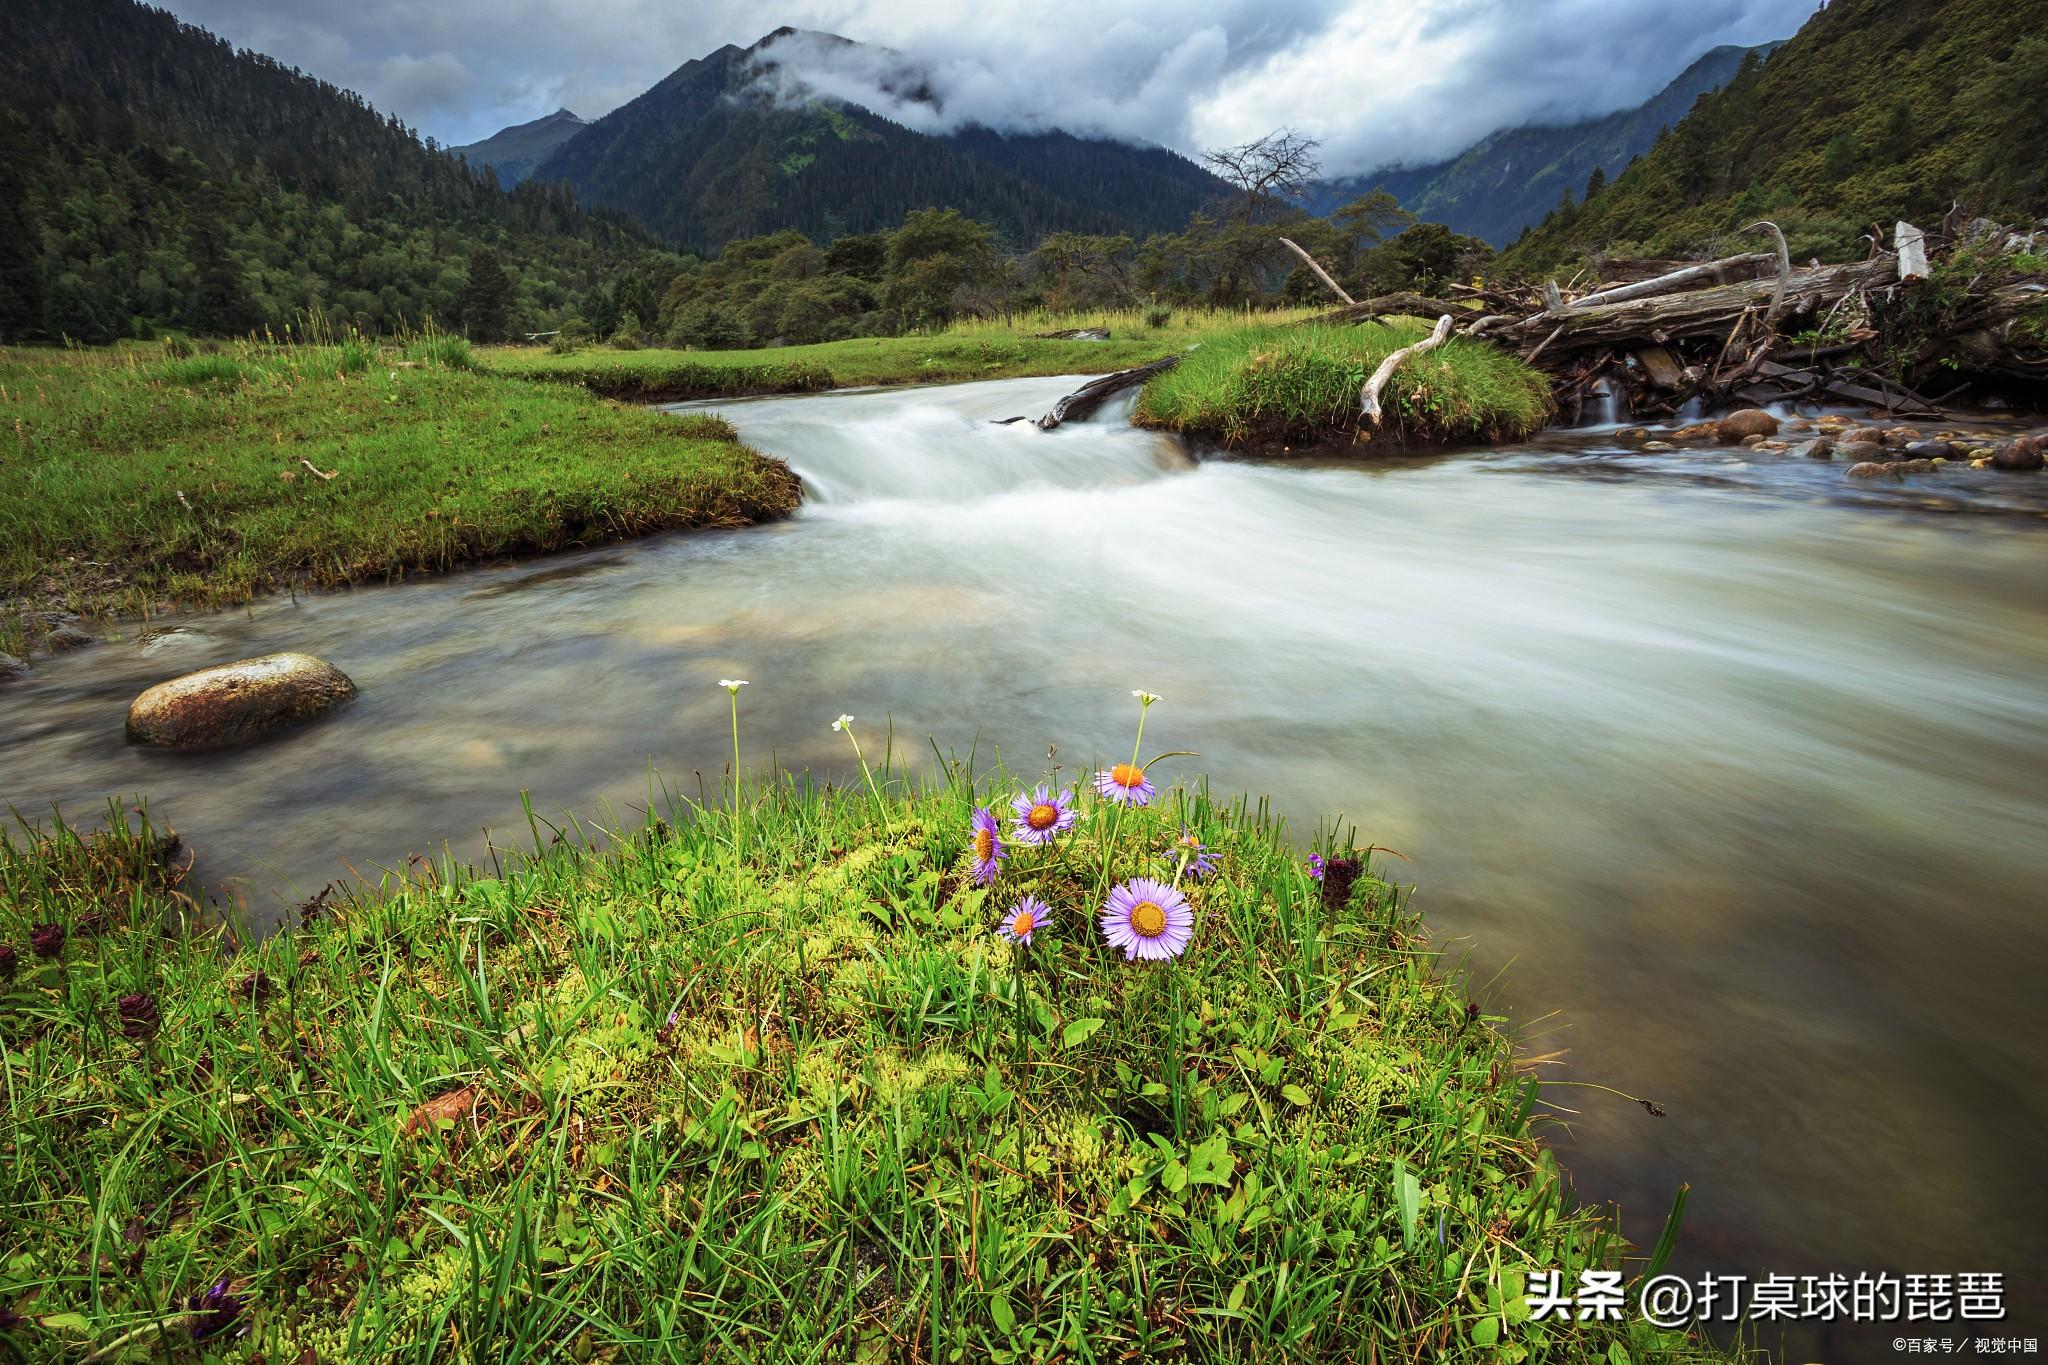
x,y
710,154
152,176
1875,110
514,152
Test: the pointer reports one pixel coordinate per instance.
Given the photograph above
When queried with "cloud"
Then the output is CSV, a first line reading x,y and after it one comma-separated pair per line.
x,y
1379,81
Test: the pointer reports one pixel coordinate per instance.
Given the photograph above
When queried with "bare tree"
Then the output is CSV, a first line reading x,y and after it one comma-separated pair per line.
x,y
1273,169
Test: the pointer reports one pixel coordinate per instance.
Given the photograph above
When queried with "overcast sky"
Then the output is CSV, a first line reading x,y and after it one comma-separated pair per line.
x,y
1380,81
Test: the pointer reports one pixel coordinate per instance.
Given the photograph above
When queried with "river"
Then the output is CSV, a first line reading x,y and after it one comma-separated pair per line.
x,y
1739,770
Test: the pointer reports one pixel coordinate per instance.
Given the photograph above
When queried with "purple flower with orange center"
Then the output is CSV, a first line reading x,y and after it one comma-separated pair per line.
x,y
988,846
1193,855
1125,783
1147,919
1041,815
1026,919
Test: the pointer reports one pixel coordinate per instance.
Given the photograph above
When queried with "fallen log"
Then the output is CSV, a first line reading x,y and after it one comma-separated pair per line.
x,y
1716,271
1696,313
1369,396
1083,402
1911,245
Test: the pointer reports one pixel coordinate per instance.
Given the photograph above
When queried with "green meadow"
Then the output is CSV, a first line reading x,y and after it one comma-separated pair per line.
x,y
765,1083
135,480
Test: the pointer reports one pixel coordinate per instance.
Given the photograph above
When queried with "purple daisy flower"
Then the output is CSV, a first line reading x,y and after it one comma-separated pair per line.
x,y
1026,919
1125,783
1041,815
1147,919
988,846
1315,866
1194,856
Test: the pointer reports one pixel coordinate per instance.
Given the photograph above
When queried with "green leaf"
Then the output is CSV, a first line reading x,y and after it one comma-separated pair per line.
x,y
1236,1299
1078,1032
1486,1331
1004,1315
1408,1194
1295,1094
1617,1354
1211,1163
1173,1177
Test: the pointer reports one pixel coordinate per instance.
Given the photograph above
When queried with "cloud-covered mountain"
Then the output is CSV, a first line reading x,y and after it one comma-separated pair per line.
x,y
751,140
1511,178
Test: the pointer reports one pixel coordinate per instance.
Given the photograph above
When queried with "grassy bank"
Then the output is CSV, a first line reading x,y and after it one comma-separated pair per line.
x,y
133,479
966,351
1272,386
772,1088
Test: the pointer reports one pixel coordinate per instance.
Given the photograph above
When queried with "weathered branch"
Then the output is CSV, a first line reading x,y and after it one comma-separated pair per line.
x,y
1784,278
1403,304
1092,395
1369,397
1321,274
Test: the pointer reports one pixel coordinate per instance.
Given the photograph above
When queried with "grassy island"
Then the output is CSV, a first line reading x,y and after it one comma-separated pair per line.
x,y
772,1087
135,479
1270,386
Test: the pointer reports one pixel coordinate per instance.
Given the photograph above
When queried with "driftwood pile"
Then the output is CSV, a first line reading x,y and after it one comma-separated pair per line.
x,y
1751,329
1654,338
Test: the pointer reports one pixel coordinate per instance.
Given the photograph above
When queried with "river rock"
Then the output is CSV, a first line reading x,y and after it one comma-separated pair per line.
x,y
1916,467
66,637
1748,422
1698,431
235,703
11,667
2020,454
1871,469
1857,452
1658,445
1898,436
1864,436
1927,450
1821,449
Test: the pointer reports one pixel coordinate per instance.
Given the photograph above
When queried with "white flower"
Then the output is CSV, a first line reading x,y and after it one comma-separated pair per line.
x,y
1144,698
732,685
842,722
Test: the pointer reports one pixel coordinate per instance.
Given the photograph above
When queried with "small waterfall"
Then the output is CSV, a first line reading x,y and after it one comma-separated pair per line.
x,y
1605,409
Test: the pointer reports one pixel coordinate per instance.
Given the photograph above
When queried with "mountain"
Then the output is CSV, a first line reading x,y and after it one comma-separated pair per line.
x,y
1509,179
726,147
1875,110
152,175
514,152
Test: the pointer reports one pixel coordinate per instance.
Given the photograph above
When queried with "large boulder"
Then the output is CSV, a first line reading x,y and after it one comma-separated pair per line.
x,y
235,703
1739,426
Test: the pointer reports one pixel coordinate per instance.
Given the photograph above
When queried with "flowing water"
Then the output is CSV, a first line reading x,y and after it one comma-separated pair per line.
x,y
1743,769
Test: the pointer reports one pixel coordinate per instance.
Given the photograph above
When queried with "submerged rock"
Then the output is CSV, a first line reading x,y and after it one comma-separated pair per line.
x,y
1738,426
67,637
1871,469
235,703
2025,453
10,667
1857,452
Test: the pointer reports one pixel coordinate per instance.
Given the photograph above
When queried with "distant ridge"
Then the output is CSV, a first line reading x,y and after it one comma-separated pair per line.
x,y
515,151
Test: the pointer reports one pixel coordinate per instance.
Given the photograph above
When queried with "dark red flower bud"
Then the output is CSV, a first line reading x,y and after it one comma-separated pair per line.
x,y
139,1016
9,960
1339,876
46,939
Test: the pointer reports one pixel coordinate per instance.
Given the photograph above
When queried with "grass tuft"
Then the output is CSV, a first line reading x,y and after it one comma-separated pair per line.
x,y
1267,386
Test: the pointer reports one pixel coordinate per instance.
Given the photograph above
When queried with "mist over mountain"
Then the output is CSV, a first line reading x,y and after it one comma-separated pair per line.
x,y
1511,178
738,143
